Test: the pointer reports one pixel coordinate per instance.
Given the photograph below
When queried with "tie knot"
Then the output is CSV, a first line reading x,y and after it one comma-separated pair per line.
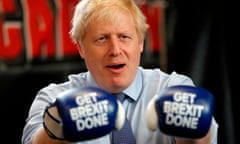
x,y
121,97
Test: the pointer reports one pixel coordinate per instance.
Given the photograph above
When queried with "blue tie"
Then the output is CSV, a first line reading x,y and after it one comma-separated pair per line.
x,y
125,135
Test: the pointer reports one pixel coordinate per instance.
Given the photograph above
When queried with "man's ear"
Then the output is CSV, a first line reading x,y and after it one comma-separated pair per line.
x,y
80,51
141,45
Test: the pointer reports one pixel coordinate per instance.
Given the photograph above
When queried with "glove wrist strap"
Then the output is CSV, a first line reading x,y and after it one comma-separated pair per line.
x,y
52,123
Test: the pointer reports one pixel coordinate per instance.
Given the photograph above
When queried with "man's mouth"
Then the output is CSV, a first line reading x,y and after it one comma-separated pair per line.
x,y
117,66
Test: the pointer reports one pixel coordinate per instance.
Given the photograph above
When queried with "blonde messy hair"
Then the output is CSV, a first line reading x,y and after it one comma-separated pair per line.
x,y
89,11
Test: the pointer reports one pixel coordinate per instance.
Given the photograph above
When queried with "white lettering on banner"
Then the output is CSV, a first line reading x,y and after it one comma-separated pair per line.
x,y
182,111
90,113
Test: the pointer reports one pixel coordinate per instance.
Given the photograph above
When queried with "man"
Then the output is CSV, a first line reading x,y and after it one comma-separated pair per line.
x,y
109,35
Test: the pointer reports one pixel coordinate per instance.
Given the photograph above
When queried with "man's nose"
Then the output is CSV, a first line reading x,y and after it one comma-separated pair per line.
x,y
115,46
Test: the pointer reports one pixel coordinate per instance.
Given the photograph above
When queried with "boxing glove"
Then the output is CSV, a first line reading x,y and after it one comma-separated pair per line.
x,y
83,113
182,111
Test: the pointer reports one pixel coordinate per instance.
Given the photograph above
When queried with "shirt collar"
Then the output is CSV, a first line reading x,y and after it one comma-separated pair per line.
x,y
133,91
90,80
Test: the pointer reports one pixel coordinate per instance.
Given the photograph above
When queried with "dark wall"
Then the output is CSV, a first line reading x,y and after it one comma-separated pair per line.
x,y
18,89
196,47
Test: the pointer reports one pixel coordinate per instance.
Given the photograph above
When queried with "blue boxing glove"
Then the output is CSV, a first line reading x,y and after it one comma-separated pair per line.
x,y
182,111
82,114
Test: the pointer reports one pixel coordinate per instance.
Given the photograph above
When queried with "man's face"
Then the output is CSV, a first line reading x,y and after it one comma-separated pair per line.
x,y
112,51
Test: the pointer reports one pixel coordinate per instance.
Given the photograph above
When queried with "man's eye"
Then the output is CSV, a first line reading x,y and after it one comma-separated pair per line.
x,y
124,37
101,39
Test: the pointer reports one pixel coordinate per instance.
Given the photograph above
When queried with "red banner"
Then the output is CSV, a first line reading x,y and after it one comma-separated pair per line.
x,y
39,30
